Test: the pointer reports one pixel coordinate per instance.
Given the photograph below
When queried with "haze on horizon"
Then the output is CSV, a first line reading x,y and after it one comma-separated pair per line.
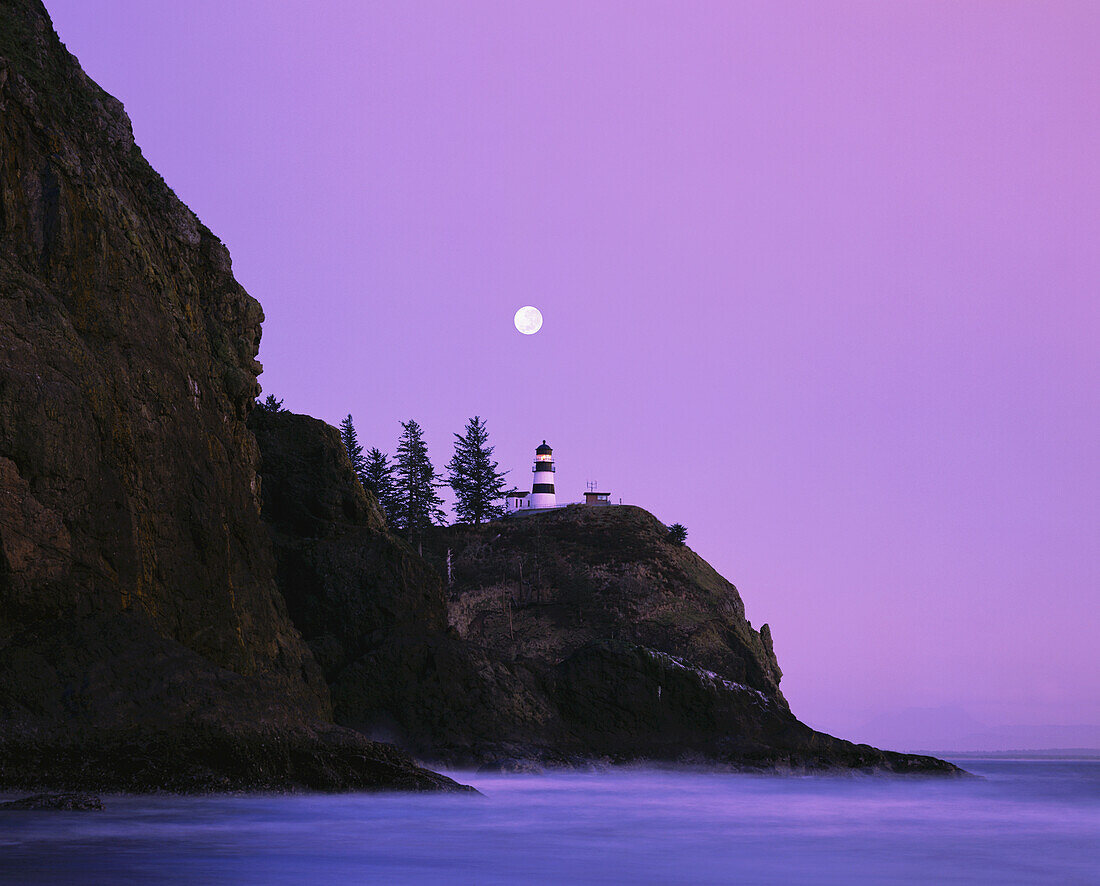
x,y
819,282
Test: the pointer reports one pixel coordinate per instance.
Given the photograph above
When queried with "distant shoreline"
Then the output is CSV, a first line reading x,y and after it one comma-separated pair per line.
x,y
1042,754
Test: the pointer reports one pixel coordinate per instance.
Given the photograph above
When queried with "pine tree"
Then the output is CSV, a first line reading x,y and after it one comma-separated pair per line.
x,y
677,533
418,504
474,477
351,444
378,477
271,404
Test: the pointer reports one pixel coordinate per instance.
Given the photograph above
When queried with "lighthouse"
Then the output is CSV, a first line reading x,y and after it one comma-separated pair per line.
x,y
542,489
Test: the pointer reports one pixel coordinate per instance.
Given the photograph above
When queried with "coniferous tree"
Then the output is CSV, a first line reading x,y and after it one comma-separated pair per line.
x,y
418,504
473,475
351,444
378,477
677,533
271,404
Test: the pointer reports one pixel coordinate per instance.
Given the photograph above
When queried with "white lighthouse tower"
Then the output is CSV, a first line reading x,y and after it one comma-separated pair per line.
x,y
542,489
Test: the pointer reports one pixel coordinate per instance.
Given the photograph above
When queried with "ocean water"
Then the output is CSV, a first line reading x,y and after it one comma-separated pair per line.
x,y
1022,822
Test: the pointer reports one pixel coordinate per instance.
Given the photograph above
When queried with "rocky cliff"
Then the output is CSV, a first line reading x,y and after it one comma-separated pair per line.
x,y
641,647
541,585
563,636
138,605
374,612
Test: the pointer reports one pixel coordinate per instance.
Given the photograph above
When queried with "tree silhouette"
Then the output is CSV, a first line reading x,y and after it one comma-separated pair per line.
x,y
473,475
271,404
354,450
677,533
378,477
418,504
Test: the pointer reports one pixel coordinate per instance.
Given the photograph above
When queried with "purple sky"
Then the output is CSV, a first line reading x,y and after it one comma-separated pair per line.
x,y
820,281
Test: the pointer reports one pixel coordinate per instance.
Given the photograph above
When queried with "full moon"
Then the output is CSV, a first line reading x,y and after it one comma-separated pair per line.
x,y
528,320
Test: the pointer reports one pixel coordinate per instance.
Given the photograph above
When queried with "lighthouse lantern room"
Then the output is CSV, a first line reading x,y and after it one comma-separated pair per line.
x,y
542,488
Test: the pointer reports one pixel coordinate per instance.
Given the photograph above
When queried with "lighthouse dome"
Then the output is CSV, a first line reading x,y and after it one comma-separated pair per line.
x,y
543,449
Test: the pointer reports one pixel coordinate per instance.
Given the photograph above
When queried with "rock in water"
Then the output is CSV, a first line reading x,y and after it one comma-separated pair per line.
x,y
143,641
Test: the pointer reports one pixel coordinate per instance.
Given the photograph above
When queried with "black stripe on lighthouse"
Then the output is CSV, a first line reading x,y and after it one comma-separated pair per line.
x,y
542,487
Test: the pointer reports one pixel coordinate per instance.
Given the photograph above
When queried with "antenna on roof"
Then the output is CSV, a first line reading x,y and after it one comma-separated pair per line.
x,y
592,485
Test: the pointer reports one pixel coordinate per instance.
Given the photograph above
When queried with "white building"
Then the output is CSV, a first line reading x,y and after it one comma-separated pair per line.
x,y
542,496
514,500
542,488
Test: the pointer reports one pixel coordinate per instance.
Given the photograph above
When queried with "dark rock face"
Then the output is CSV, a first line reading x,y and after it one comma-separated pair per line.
x,y
348,583
447,701
626,701
194,759
541,586
113,705
137,586
128,368
619,696
127,469
371,609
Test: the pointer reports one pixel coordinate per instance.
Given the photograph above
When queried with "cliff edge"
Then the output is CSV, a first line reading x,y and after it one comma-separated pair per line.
x,y
143,641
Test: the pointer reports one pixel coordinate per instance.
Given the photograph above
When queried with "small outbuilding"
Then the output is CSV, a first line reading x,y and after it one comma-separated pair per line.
x,y
514,500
